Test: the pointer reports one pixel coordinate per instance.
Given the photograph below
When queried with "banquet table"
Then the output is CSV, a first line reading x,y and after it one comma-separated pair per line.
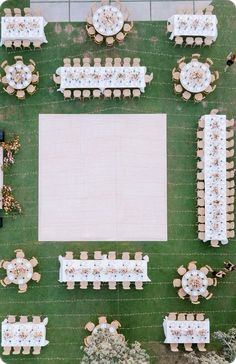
x,y
108,20
194,25
101,77
19,271
194,282
28,334
195,76
215,177
23,28
18,76
103,270
183,332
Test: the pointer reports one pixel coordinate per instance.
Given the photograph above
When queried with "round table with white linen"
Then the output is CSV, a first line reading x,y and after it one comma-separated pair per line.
x,y
19,271
194,282
108,20
105,326
19,76
195,77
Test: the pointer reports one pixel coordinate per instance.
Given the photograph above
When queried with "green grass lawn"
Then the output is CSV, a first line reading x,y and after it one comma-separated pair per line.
x,y
141,313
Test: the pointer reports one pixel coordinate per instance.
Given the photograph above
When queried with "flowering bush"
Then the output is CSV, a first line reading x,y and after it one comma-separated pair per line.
x,y
109,348
209,358
9,203
228,341
10,148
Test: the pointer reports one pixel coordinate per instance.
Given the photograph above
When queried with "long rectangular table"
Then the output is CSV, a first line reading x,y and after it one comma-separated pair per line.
x,y
104,270
183,332
19,334
23,28
1,175
101,77
194,25
215,177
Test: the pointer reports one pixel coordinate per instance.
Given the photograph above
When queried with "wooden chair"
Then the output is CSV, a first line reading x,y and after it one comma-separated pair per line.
x,y
209,62
17,44
148,78
190,317
31,89
36,319
214,111
116,94
136,93
90,30
120,37
136,62
17,11
230,217
229,154
125,256
192,265
195,56
126,285
83,285
178,89
19,253
181,60
35,78
108,62
96,285
16,350
127,62
204,270
98,38
200,176
87,340
229,134
200,153
230,208
23,319
230,184
9,90
230,123
169,28
230,165
201,347
4,65
117,62
7,12
67,62
97,94
186,96
70,285
172,316
107,94
8,44
229,144
89,20
181,316
27,11
98,255
139,285
138,256
26,350
127,93
86,62
207,42
175,76
178,41
83,255
177,283
215,243
200,194
230,234
201,211
6,350
116,324
56,79
89,326
209,8
97,62
36,350
110,41
200,164
22,288
76,62
174,347
112,255
229,174
11,319
34,262
200,202
200,316
102,320
77,94
37,45
189,41
128,27
201,219
198,41
188,346
69,255
194,300
36,277
67,94
181,270
210,281
112,285
198,97
182,293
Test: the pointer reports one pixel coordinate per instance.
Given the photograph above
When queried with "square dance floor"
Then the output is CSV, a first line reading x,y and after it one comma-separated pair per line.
x,y
102,177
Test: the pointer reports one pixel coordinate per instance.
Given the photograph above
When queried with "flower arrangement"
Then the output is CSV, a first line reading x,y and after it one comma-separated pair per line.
x,y
9,204
10,148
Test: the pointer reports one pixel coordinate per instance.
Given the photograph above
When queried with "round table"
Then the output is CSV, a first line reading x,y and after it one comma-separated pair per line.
x,y
108,20
19,271
195,77
19,76
105,326
194,282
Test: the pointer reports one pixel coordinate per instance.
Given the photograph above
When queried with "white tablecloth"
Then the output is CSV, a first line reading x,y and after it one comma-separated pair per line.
x,y
19,76
195,77
108,20
215,177
194,25
104,270
189,279
1,175
101,77
19,28
19,334
183,332
19,271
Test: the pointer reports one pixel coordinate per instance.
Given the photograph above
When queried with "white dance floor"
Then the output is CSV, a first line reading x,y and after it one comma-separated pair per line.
x,y
102,177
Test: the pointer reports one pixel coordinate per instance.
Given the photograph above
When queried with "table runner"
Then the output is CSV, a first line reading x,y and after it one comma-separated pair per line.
x,y
183,332
23,27
215,177
194,25
101,77
104,270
